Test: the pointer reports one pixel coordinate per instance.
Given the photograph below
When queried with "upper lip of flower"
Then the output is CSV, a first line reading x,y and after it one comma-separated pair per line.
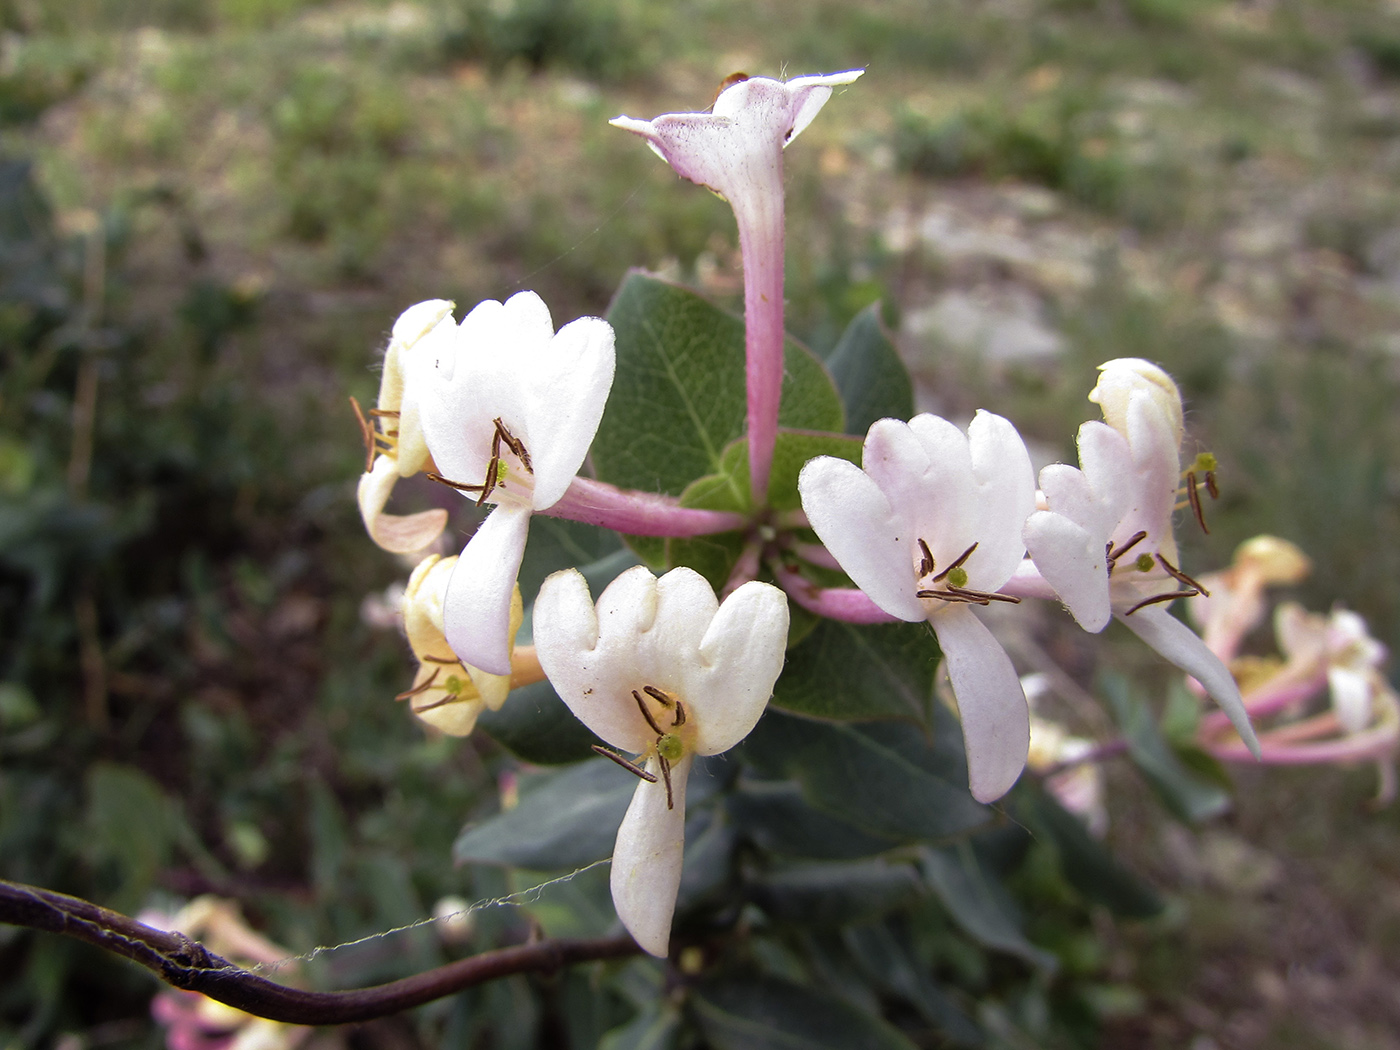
x,y
509,409
750,123
929,523
661,669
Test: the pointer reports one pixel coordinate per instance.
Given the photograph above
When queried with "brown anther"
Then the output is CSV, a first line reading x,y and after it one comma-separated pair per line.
x,y
450,698
1194,497
513,443
631,767
961,558
666,775
383,413
1180,576
983,597
926,563
724,85
367,433
419,688
492,473
1129,544
642,707
948,596
1211,486
460,486
449,661
662,697
1156,599
680,715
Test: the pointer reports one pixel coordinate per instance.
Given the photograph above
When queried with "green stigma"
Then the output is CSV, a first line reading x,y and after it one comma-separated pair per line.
x,y
1205,462
670,747
1144,563
957,577
453,685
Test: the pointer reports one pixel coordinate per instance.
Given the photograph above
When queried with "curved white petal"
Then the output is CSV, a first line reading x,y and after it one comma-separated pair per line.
x,y
1179,644
871,542
1156,459
648,857
995,717
392,532
587,653
899,464
1005,497
1107,462
476,610
1124,377
1351,697
742,655
566,400
1072,561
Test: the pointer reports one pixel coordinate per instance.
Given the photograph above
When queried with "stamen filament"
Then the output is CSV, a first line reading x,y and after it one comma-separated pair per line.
x,y
631,767
419,688
642,707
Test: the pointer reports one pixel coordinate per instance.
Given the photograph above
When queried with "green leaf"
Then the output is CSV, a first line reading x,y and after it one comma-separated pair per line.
x,y
1084,862
536,726
1185,794
729,487
887,778
679,397
886,959
556,544
129,825
564,819
869,373
657,1027
767,1014
861,671
834,893
979,904
568,818
775,817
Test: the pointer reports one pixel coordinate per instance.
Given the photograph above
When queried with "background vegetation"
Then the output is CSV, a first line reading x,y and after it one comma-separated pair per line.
x,y
211,211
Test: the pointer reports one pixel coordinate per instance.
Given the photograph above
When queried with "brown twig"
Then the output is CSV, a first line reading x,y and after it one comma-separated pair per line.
x,y
187,964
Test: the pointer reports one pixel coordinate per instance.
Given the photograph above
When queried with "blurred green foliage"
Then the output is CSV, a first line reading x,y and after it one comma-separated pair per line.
x,y
248,190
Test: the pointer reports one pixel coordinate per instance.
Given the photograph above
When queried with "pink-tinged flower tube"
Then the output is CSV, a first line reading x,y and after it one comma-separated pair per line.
x,y
737,151
1105,544
659,669
930,526
394,434
509,408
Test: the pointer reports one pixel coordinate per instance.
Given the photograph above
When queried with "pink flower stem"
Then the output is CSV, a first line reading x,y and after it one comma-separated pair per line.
x,y
745,568
638,513
760,219
835,603
1373,743
1266,700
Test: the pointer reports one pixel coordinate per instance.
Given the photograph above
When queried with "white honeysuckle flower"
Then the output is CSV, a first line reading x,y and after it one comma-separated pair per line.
x,y
509,408
736,148
1106,543
1123,377
929,527
1342,644
662,670
446,693
394,435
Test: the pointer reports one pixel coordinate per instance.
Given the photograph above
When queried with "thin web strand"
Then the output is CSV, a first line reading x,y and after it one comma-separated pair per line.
x,y
510,900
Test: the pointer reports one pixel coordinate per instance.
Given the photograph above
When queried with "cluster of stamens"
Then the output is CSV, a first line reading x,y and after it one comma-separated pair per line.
x,y
1144,563
496,469
668,747
378,440
955,589
454,684
1203,465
